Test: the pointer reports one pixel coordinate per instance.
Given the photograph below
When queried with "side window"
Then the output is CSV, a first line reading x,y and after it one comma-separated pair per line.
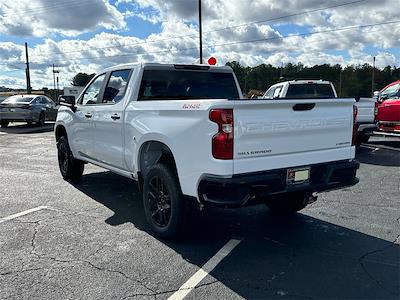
x,y
43,100
270,93
51,102
91,94
116,86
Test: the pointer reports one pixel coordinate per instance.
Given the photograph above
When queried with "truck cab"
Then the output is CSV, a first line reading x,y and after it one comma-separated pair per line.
x,y
295,89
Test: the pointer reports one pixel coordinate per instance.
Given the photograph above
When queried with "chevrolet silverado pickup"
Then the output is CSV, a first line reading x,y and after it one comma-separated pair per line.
x,y
187,136
322,89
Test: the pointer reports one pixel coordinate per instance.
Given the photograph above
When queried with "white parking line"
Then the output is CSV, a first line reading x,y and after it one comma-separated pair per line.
x,y
193,281
22,213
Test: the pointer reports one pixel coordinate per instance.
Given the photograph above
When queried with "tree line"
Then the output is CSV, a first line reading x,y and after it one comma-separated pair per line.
x,y
349,81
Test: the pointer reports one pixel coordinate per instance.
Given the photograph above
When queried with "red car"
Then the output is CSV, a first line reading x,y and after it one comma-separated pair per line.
x,y
389,108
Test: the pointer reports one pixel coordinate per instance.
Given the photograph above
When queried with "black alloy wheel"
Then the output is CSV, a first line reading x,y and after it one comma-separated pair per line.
x,y
63,158
163,201
71,169
159,202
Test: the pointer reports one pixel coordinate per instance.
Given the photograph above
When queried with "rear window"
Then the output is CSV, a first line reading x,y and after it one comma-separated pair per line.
x,y
18,99
172,84
310,90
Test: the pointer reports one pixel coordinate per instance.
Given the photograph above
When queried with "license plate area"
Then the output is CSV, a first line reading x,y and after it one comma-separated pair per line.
x,y
298,176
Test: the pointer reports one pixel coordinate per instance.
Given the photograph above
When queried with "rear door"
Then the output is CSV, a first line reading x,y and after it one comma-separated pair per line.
x,y
276,134
108,120
51,111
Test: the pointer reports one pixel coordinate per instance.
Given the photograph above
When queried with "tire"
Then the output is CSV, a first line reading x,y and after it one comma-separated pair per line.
x,y
4,124
365,138
362,138
42,120
288,203
29,123
71,169
163,202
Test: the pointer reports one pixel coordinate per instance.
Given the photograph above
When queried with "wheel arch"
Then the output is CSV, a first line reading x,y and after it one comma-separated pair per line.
x,y
60,131
152,152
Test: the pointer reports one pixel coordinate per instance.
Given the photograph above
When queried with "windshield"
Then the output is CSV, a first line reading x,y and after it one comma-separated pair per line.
x,y
167,84
310,90
18,99
391,91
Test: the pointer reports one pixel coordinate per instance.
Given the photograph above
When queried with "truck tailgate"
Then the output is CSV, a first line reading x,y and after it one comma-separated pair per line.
x,y
270,134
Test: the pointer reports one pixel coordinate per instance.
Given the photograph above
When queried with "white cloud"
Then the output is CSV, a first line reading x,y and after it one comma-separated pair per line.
x,y
179,18
70,18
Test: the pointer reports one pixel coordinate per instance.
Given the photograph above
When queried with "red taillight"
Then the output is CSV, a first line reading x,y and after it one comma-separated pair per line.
x,y
222,142
354,139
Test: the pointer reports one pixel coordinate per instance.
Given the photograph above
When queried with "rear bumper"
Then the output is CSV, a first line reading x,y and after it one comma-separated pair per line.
x,y
367,129
242,189
18,116
389,126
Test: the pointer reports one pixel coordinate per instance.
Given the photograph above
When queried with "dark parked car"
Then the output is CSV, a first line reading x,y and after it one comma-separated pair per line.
x,y
27,108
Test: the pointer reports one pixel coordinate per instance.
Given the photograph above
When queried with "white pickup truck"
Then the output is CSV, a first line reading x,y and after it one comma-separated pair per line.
x,y
322,89
186,135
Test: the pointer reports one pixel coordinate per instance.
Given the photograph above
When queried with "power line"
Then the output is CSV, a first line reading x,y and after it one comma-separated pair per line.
x,y
215,30
305,34
247,41
11,71
54,6
287,16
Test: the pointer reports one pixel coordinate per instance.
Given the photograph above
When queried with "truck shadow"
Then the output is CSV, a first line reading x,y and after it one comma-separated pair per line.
x,y
378,156
279,257
394,143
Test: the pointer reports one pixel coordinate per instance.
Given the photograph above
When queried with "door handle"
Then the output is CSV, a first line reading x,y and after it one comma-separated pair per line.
x,y
303,106
88,115
115,117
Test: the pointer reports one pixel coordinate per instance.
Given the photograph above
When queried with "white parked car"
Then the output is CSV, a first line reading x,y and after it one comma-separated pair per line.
x,y
185,134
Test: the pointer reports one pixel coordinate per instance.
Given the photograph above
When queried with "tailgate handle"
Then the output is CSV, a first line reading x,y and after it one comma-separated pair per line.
x,y
303,106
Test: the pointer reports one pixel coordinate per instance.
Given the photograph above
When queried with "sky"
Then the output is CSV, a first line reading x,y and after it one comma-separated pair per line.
x,y
89,35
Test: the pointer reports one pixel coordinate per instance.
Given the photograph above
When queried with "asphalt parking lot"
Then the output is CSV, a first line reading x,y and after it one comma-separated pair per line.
x,y
90,241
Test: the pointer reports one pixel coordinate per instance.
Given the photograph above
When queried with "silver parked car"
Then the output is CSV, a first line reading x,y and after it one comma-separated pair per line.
x,y
27,108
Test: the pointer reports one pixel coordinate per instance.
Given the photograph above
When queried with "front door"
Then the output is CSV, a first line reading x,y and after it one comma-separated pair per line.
x,y
82,135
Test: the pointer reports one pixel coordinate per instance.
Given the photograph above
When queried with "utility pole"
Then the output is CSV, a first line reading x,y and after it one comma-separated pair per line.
x,y
373,78
27,73
58,88
54,83
340,82
200,34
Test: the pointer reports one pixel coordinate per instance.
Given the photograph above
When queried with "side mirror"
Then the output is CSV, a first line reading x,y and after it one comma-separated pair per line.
x,y
376,95
357,98
382,98
67,101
